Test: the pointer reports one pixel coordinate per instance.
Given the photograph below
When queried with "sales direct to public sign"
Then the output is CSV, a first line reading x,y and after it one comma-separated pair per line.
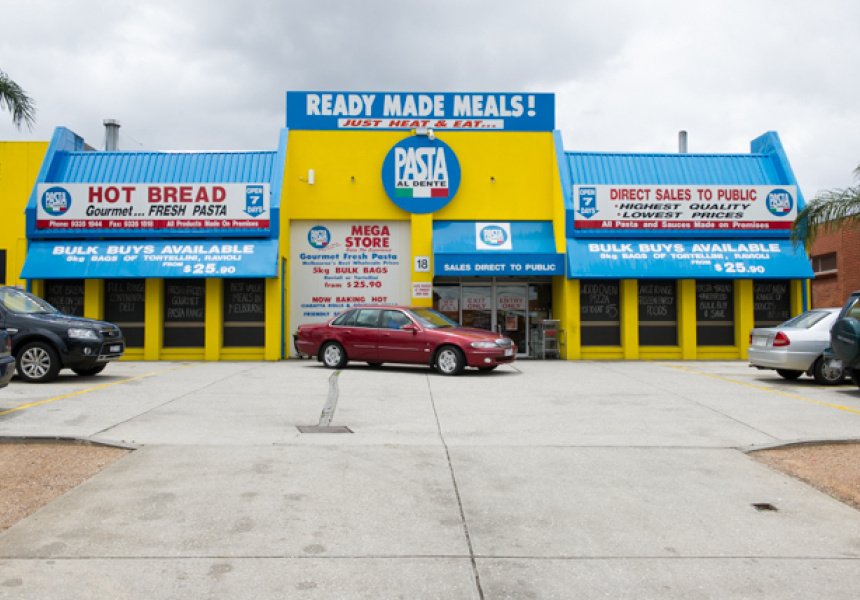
x,y
700,211
407,110
103,208
421,175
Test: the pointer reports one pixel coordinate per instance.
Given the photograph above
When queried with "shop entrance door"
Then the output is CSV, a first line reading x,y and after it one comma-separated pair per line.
x,y
499,308
511,314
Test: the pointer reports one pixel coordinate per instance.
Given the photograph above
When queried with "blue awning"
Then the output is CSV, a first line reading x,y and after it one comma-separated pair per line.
x,y
686,259
151,259
477,248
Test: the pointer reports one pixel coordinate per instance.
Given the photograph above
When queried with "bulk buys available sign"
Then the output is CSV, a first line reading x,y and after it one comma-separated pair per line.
x,y
106,207
663,210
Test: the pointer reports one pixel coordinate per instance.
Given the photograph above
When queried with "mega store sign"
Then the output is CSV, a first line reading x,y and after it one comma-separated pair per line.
x,y
653,210
338,264
124,207
410,110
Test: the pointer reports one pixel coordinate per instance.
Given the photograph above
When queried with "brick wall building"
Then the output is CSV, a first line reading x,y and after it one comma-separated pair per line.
x,y
835,258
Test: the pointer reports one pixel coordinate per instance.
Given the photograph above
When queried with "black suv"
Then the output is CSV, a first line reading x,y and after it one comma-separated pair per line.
x,y
44,340
845,337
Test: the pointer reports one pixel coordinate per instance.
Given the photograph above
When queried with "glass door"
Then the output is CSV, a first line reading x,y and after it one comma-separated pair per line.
x,y
512,309
477,307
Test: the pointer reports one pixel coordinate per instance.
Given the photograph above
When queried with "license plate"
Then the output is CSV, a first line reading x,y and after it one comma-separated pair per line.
x,y
509,352
116,348
759,340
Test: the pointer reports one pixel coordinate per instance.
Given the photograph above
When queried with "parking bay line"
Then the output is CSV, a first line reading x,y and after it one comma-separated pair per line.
x,y
92,389
760,387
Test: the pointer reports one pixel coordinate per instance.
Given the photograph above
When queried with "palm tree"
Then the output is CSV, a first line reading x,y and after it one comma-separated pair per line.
x,y
831,209
17,102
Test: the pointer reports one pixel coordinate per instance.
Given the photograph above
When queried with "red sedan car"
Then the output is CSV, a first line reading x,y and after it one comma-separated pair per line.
x,y
403,334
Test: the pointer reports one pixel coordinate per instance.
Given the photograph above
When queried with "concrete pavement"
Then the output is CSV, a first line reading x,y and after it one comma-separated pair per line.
x,y
546,479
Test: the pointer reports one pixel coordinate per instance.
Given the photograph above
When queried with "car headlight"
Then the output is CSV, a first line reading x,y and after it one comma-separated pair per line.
x,y
83,334
484,345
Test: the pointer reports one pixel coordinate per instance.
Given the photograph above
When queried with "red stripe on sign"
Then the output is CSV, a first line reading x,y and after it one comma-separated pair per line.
x,y
439,192
152,224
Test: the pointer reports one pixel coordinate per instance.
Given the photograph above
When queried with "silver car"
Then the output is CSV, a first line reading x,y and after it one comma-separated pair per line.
x,y
797,347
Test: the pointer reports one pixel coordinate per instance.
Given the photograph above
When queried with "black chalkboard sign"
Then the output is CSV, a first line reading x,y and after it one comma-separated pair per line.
x,y
184,313
771,302
715,313
125,307
599,312
66,295
244,313
658,312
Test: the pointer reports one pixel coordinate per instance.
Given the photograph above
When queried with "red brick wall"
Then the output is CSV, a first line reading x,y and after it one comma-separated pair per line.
x,y
833,290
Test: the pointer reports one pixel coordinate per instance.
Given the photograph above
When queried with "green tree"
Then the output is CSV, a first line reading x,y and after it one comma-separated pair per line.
x,y
829,210
17,102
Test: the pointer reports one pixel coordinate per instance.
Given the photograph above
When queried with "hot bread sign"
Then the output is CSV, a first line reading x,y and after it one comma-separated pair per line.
x,y
176,206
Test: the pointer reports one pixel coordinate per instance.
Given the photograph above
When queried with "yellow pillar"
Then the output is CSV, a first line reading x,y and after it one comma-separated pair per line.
x,y
422,245
567,298
153,333
94,298
796,296
273,318
214,336
630,318
744,314
687,318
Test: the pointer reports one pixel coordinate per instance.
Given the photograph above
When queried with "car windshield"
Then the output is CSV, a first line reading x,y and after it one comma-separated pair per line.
x,y
806,320
19,301
431,319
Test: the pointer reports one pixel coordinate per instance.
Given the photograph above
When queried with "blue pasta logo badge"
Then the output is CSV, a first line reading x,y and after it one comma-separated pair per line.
x,y
56,201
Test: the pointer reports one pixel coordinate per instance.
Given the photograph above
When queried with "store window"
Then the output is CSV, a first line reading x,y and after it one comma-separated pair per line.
x,y
125,307
66,295
477,307
446,299
3,267
824,264
771,302
658,312
715,313
599,314
244,313
184,313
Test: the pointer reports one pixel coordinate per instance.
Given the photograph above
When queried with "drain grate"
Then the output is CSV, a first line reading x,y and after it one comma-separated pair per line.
x,y
765,506
323,429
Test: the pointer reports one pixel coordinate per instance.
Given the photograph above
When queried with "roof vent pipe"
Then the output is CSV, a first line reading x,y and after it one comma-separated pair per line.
x,y
682,142
111,135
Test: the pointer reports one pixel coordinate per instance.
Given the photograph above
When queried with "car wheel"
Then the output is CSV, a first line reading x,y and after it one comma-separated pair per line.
x,y
90,371
37,362
790,375
450,361
333,355
825,374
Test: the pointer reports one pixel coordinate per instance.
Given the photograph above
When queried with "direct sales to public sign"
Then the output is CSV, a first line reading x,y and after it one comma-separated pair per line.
x,y
684,208
177,206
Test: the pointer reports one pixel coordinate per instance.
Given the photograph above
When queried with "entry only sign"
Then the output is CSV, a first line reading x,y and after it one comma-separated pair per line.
x,y
682,210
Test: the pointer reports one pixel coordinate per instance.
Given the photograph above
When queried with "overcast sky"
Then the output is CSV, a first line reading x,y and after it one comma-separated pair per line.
x,y
627,75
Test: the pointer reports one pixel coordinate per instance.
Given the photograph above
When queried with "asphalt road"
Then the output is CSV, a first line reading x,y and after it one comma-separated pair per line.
x,y
546,479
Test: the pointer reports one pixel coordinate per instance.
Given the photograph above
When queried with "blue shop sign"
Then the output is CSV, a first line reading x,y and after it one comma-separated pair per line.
x,y
411,110
686,259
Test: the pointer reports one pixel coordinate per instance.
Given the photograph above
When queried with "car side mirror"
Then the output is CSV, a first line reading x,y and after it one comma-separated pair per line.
x,y
411,328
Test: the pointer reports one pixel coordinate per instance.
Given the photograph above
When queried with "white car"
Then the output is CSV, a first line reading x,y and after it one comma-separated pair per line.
x,y
797,347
